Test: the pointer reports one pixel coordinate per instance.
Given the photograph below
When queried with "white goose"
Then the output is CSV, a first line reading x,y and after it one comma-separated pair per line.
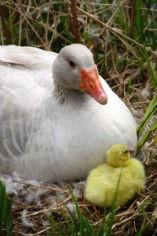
x,y
54,127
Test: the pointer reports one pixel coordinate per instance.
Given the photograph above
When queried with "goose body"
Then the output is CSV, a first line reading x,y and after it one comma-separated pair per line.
x,y
50,131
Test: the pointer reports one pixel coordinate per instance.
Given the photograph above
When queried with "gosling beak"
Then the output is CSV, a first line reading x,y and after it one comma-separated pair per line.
x,y
90,83
131,151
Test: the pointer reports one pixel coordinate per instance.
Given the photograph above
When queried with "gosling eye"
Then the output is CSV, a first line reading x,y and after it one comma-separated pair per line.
x,y
127,151
72,64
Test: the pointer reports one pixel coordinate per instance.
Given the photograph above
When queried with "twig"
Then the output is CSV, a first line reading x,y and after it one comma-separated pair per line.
x,y
113,30
57,189
50,208
74,21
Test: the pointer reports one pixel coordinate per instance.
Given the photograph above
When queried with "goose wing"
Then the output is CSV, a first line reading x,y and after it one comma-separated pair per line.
x,y
25,88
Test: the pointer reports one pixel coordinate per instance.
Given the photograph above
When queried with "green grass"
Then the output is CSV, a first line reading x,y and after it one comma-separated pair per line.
x,y
5,212
77,223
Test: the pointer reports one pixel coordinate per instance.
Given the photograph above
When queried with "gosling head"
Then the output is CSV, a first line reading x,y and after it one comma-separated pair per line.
x,y
74,68
118,155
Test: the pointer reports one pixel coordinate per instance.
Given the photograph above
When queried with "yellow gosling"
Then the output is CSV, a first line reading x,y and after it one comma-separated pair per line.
x,y
120,178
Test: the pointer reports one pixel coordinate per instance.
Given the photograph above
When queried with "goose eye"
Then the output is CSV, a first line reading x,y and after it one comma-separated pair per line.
x,y
72,64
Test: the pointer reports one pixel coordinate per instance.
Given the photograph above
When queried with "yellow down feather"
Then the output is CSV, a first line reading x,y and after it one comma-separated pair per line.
x,y
119,179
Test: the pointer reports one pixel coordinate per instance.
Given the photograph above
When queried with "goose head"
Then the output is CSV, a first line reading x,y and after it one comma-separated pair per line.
x,y
74,69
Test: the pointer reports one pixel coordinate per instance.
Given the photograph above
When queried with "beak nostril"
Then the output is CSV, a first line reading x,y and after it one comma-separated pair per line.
x,y
91,85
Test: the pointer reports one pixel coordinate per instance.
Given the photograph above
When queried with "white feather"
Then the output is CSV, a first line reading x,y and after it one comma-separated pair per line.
x,y
42,139
25,220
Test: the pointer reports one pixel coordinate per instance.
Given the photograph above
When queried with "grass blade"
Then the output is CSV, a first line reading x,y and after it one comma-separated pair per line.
x,y
152,108
5,211
138,19
147,135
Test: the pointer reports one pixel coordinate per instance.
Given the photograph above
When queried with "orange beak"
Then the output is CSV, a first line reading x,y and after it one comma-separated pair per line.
x,y
90,83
